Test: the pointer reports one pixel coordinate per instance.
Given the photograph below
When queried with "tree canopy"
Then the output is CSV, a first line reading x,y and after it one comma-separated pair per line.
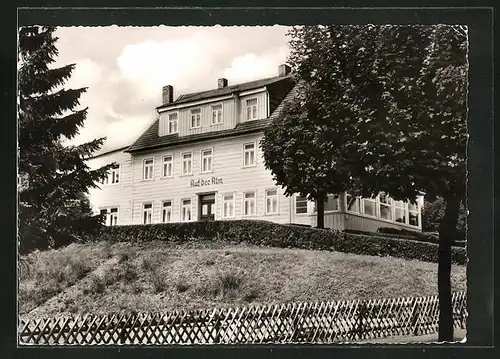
x,y
379,108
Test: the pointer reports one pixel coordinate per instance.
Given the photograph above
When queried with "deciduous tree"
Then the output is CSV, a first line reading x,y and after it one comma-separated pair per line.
x,y
390,107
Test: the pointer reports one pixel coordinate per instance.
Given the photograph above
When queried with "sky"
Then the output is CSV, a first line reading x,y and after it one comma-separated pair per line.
x,y
125,69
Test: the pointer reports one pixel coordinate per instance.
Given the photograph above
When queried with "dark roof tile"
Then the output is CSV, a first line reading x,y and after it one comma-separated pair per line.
x,y
151,140
226,90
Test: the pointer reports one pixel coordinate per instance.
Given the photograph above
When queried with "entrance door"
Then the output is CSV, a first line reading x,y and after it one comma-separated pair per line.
x,y
207,207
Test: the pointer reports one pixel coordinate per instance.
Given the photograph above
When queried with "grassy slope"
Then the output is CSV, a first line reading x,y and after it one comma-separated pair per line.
x,y
103,277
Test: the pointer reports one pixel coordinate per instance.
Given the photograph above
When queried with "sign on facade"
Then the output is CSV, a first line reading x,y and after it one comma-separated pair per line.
x,y
206,182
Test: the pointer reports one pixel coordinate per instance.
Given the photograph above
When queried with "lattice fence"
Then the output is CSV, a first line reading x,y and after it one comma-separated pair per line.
x,y
326,322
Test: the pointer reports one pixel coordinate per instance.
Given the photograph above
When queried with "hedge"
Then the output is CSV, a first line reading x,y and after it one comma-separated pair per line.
x,y
406,234
419,236
264,233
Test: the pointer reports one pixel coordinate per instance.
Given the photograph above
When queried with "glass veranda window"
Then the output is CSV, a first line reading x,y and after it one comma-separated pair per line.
x,y
300,204
385,207
353,203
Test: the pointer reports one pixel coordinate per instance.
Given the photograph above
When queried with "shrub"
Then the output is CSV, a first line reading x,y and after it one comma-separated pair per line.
x,y
264,233
159,284
252,294
96,285
227,284
210,262
125,255
129,272
181,285
136,288
149,264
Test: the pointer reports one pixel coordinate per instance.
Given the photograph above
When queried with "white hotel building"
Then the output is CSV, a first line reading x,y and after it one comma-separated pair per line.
x,y
201,160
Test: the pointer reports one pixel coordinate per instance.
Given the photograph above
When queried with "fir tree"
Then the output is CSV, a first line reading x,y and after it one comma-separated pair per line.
x,y
52,175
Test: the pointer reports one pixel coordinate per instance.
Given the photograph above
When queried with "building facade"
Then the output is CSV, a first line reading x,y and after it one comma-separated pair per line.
x,y
201,160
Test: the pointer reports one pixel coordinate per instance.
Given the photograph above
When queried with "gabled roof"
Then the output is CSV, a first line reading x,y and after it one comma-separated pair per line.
x,y
228,90
150,139
109,152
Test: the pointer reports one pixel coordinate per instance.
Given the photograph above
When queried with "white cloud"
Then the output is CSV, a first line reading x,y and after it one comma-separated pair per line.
x,y
250,66
125,69
86,73
182,63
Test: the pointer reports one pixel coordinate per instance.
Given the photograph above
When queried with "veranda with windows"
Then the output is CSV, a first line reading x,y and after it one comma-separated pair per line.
x,y
342,212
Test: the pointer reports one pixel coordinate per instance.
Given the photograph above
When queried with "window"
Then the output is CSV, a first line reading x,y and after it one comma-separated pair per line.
x,y
300,204
186,210
111,216
172,123
206,160
251,109
249,203
271,201
385,207
228,205
195,118
331,203
168,166
216,114
399,212
413,214
113,176
166,213
370,207
187,163
148,168
147,213
353,204
249,154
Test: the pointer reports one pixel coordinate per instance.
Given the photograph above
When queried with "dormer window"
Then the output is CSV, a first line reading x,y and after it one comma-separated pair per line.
x,y
195,118
216,114
172,123
251,109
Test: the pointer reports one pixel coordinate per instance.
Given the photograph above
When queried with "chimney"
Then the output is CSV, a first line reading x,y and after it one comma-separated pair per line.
x,y
284,70
221,83
167,94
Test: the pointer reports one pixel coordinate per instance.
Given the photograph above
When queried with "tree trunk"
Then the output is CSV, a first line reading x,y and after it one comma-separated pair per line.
x,y
320,208
447,234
